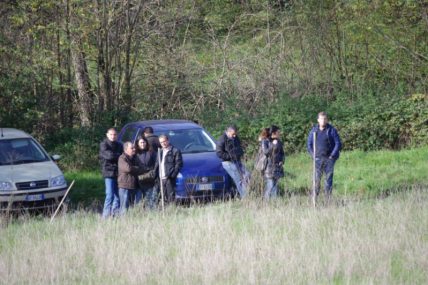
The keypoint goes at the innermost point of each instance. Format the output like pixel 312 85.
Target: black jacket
pixel 148 160
pixel 153 141
pixel 276 157
pixel 229 149
pixel 109 155
pixel 173 162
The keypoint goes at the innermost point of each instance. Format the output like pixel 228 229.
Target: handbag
pixel 261 161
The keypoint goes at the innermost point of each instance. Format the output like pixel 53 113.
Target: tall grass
pixel 238 242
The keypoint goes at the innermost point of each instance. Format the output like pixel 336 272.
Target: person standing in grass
pixel 152 138
pixel 274 151
pixel 147 183
pixel 129 169
pixel 110 150
pixel 170 164
pixel 230 151
pixel 327 151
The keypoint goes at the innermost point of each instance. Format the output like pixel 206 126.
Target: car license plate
pixel 205 186
pixel 35 197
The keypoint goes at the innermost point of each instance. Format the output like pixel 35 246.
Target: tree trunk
pixel 82 81
pixel 68 107
pixel 127 96
pixel 104 66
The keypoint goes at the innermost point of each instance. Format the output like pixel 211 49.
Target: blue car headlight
pixel 58 181
pixel 5 186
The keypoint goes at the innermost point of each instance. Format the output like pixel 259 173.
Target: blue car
pixel 202 175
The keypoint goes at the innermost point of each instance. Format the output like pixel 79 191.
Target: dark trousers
pixel 324 166
pixel 168 190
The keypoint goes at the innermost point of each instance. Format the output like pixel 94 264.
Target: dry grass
pixel 242 242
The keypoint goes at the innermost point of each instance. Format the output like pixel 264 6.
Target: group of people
pixel 270 157
pixel 135 170
pixel 323 145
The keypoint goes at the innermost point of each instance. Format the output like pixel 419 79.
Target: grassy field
pixel 238 242
pixel 367 174
pixel 370 233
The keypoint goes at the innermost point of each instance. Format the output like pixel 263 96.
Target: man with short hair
pixel 152 138
pixel 129 169
pixel 229 150
pixel 170 164
pixel 110 150
pixel 327 151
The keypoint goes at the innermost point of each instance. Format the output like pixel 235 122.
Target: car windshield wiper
pixel 22 161
pixel 198 151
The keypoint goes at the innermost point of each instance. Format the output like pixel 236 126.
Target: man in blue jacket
pixel 327 150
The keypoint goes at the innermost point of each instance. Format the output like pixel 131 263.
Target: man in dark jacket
pixel 152 138
pixel 229 150
pixel 110 150
pixel 327 150
pixel 170 164
pixel 129 169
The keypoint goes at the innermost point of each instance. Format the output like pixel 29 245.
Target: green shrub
pixel 366 123
pixel 77 147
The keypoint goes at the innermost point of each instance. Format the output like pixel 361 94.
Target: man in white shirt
pixel 170 165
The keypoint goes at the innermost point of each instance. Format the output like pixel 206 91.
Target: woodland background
pixel 70 69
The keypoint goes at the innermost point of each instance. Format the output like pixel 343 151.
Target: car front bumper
pixel 36 199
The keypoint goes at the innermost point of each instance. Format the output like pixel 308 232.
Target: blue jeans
pixel 135 197
pixel 111 203
pixel 239 175
pixel 271 188
pixel 324 166
pixel 124 199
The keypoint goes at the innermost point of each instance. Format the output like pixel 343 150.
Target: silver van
pixel 29 177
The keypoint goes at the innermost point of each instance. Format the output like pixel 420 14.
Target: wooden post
pixel 62 201
pixel 314 192
pixel 160 180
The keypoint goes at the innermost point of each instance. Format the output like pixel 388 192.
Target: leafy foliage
pixel 253 63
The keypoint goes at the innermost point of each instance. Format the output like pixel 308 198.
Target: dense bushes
pixel 366 123
pixel 78 147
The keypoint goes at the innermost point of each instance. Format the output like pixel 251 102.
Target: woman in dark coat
pixel 275 162
pixel 147 182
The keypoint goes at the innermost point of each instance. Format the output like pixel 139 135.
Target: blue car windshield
pixel 20 151
pixel 191 140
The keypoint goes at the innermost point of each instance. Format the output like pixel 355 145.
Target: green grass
pixel 357 173
pixel 88 188
pixel 364 173
pixel 239 242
